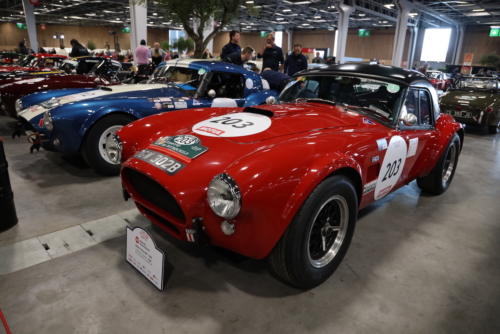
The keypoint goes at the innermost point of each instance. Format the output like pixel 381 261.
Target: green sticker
pixel 392 88
pixel 187 145
pixel 202 71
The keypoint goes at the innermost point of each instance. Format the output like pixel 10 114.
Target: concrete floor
pixel 417 264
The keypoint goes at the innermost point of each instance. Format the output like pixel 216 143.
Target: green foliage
pixel 91 45
pixel 204 13
pixel 429 69
pixel 183 44
pixel 442 69
pixel 490 59
pixel 121 57
pixel 165 45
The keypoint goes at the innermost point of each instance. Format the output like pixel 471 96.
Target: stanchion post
pixel 8 216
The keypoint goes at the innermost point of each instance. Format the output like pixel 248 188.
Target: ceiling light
pixel 249 1
pixel 317 16
pixel 478 10
pixel 118 19
pixel 280 19
pixel 287 10
pixel 155 14
pixel 21 12
pixel 361 14
pixel 389 5
pixel 305 24
pixel 151 22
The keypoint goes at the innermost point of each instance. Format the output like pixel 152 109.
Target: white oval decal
pixel 249 83
pixel 392 166
pixel 233 125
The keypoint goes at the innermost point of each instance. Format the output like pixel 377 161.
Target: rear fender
pixel 259 98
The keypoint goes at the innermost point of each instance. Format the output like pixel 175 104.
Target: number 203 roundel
pixel 233 125
pixel 392 166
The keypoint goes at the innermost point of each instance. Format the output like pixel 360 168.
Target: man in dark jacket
pixel 295 62
pixel 22 48
pixel 276 80
pixel 78 49
pixel 240 58
pixel 272 55
pixel 232 46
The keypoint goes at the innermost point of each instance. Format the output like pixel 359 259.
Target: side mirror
pixel 271 100
pixel 409 119
pixel 97 81
pixel 211 93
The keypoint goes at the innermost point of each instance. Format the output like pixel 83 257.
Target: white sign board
pixel 143 254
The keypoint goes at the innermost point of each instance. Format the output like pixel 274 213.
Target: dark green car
pixel 476 101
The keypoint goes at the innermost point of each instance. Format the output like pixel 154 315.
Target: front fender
pixel 98 114
pixel 274 184
pixel 260 98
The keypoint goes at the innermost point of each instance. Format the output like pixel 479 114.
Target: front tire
pixel 494 129
pixel 94 146
pixel 439 179
pixel 318 237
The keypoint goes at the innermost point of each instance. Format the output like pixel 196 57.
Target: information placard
pixel 144 256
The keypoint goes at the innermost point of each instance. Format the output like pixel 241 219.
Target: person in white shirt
pixel 62 51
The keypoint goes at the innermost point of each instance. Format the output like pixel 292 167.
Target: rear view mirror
pixel 97 81
pixel 271 100
pixel 409 119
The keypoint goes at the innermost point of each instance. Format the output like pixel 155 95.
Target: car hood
pixel 470 99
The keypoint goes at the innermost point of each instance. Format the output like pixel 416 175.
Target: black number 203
pixel 392 169
pixel 231 121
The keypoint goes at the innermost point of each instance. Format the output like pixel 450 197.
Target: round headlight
pixel 114 148
pixel 19 105
pixel 49 104
pixel 224 196
pixel 47 120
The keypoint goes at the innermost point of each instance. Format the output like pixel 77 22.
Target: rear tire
pixel 439 179
pixel 494 129
pixel 318 237
pixel 94 144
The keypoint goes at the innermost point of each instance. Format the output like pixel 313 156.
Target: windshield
pixel 105 68
pixel 187 78
pixel 26 61
pixel 368 96
pixel 476 83
pixel 433 75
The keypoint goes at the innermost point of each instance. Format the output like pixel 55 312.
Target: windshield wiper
pixel 315 99
pixel 378 112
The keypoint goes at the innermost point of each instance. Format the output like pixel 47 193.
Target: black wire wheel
pixel 319 236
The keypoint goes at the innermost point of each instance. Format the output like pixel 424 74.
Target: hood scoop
pixel 259 111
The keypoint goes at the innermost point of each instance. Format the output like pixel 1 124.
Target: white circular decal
pixel 249 83
pixel 233 125
pixel 392 167
pixel 186 140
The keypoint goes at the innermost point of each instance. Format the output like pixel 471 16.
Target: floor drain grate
pixel 90 232
pixel 46 246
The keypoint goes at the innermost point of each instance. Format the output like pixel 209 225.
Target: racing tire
pixel 311 249
pixel 439 179
pixel 95 143
pixel 494 129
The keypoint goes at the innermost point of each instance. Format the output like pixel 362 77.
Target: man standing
pixel 454 73
pixel 240 58
pixel 272 55
pixel 142 54
pixel 295 62
pixel 77 50
pixel 232 46
pixel 318 59
pixel 423 69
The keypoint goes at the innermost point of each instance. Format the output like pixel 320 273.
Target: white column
pixel 29 14
pixel 343 27
pixel 290 40
pixel 138 26
pixel 458 46
pixel 403 7
pixel 412 46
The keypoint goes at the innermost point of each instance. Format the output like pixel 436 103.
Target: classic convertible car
pixel 286 181
pixel 476 101
pixel 102 75
pixel 438 80
pixel 36 63
pixel 81 123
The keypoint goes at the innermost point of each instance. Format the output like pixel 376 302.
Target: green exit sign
pixel 126 30
pixel 21 26
pixel 363 33
pixel 495 32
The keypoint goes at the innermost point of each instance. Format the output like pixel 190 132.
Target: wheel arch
pixel 353 175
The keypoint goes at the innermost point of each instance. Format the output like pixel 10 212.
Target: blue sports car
pixel 82 123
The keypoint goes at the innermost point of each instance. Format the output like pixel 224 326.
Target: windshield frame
pixel 26 61
pixel 392 123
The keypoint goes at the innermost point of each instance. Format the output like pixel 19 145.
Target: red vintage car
pixel 36 62
pixel 286 181
pixel 102 75
pixel 439 80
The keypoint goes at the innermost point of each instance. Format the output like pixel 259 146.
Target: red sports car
pixel 286 180
pixel 36 62
pixel 438 79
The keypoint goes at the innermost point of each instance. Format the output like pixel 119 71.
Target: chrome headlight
pixel 224 196
pixel 49 104
pixel 19 105
pixel 47 121
pixel 114 148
